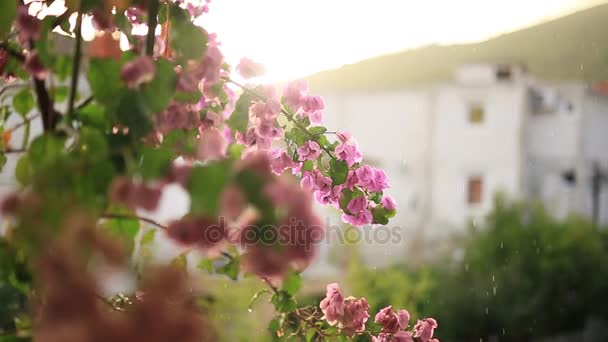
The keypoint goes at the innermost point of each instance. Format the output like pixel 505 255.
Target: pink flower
pixel 349 153
pixel 388 319
pixel 403 336
pixel 203 232
pixel 404 319
pixel 356 314
pixel 313 103
pixel 27 26
pixel 362 218
pixel 294 93
pixel 371 178
pixel 232 202
pixel 211 145
pixel 124 191
pixel 281 162
pixel 388 203
pixel 345 137
pixel 248 68
pixel 176 116
pixel 320 182
pixel 316 117
pixel 333 304
pixel 102 20
pixel 356 205
pixel 425 328
pixel 310 150
pixel 34 66
pixel 138 71
pixel 209 69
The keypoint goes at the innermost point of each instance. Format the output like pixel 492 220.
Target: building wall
pixel 392 129
pixel 490 149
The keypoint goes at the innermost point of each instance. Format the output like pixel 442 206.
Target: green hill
pixel 574 47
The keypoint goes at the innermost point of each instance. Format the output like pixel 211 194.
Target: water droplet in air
pixel 250 310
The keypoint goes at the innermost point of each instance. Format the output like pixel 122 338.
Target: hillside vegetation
pixel 574 47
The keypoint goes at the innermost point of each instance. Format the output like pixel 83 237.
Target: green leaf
pixel 317 130
pixel 206 264
pixel 382 215
pixel 133 113
pixel 188 40
pixel 308 165
pixel 94 115
pixel 184 142
pixel 63 66
pixel 158 92
pixel 92 142
pixel 155 162
pixel 310 334
pixel 292 282
pixel 8 10
pixel 205 187
pixel 23 101
pixel 366 337
pixel 239 120
pixel 45 150
pixel 231 269
pixel 61 93
pixel 180 262
pixel 339 171
pixel 275 325
pixel 3 160
pixel 148 237
pixel 283 302
pixel 104 79
pixel 123 230
pixel 376 197
pixel 23 170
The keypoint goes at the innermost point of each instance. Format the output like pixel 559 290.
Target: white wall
pixel 491 149
pixel 392 129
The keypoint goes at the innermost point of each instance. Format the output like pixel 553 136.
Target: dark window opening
pixel 503 73
pixel 474 190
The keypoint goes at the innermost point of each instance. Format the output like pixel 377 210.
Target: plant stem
pixel 75 65
pixel 133 217
pixel 24 122
pixel 152 22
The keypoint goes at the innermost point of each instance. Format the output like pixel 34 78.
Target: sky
pixel 294 38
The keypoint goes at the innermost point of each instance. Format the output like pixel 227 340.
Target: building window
pixel 503 73
pixel 476 114
pixel 474 190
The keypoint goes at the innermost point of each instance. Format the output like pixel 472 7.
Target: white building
pixel 450 147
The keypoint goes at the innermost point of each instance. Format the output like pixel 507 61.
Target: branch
pixel 13 85
pixel 14 150
pixel 133 217
pixel 24 122
pixel 75 65
pixel 152 23
pixel 85 103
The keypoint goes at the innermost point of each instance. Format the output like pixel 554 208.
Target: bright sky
pixel 294 38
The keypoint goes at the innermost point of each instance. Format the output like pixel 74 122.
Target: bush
pixel 523 275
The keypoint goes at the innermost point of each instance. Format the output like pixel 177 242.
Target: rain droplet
pixel 250 310
pixel 486 310
pixel 494 290
pixel 501 245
